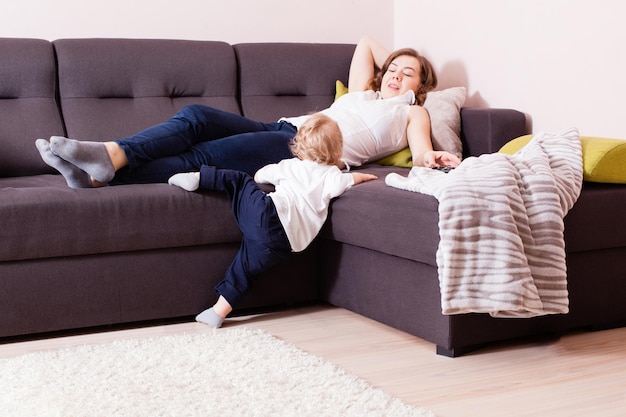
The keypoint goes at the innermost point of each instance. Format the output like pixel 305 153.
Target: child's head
pixel 318 139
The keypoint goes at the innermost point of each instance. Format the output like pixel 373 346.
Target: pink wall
pixel 562 62
pixel 231 21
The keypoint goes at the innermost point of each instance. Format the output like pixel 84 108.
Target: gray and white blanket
pixel 502 249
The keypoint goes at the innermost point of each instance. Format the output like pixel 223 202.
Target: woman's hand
pixel 440 159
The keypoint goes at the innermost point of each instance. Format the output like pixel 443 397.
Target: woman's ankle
pixel 117 155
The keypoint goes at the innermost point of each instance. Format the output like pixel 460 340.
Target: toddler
pixel 280 222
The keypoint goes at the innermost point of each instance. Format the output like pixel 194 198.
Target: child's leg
pixel 249 264
pixel 264 243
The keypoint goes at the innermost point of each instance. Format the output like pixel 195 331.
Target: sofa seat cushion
pixel 375 216
pixel 48 219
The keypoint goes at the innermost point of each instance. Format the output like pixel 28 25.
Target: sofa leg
pixel 456 352
pixel 606 326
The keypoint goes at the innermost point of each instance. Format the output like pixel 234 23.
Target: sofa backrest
pixel 28 109
pixel 112 88
pixel 103 89
pixel 289 79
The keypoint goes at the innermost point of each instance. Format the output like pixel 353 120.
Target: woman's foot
pixel 91 157
pixel 74 176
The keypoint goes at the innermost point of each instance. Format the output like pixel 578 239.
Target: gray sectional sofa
pixel 80 259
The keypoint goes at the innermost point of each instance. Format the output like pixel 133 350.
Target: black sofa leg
pixel 456 352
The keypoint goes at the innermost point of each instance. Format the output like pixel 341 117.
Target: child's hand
pixel 360 177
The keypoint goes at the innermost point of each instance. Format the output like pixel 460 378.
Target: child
pixel 283 221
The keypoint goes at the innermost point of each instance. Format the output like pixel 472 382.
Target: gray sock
pixel 74 176
pixel 91 157
pixel 210 317
pixel 189 181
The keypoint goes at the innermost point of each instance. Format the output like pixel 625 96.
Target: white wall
pixel 234 21
pixel 562 62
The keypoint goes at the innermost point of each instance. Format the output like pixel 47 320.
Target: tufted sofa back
pixel 289 79
pixel 102 89
pixel 28 108
pixel 112 88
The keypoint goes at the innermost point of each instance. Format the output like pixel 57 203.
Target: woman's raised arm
pixel 368 57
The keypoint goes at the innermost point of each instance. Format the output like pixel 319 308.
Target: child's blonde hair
pixel 318 139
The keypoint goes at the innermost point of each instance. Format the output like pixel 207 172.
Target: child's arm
pixel 360 177
pixel 265 175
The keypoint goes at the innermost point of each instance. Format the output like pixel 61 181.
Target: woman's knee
pixel 193 112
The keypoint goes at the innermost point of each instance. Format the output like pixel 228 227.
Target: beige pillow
pixel 444 108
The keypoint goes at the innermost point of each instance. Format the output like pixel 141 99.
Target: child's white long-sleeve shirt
pixel 303 190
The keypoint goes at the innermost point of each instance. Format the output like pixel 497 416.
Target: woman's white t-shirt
pixel 372 127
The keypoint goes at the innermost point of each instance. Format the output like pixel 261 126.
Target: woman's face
pixel 402 75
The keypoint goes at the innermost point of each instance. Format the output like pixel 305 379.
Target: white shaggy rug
pixel 238 372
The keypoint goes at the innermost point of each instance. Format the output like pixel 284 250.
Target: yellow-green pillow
pixel 340 89
pixel 402 159
pixel 604 159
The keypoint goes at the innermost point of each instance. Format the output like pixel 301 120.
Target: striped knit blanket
pixel 501 248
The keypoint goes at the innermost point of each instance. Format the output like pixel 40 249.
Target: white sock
pixel 211 318
pixel 189 181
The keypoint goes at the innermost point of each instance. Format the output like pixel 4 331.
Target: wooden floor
pixel 581 374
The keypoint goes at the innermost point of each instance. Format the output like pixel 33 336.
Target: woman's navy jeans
pixel 200 135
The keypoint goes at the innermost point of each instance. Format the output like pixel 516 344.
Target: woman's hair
pixel 427 74
pixel 318 139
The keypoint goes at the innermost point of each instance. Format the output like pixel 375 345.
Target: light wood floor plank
pixel 580 374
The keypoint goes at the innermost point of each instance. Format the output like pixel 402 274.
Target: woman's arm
pixel 418 135
pixel 369 56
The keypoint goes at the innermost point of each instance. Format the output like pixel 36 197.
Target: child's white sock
pixel 189 181
pixel 211 318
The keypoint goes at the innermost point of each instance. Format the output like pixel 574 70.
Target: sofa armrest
pixel 486 130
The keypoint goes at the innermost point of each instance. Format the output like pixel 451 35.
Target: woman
pixel 376 118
